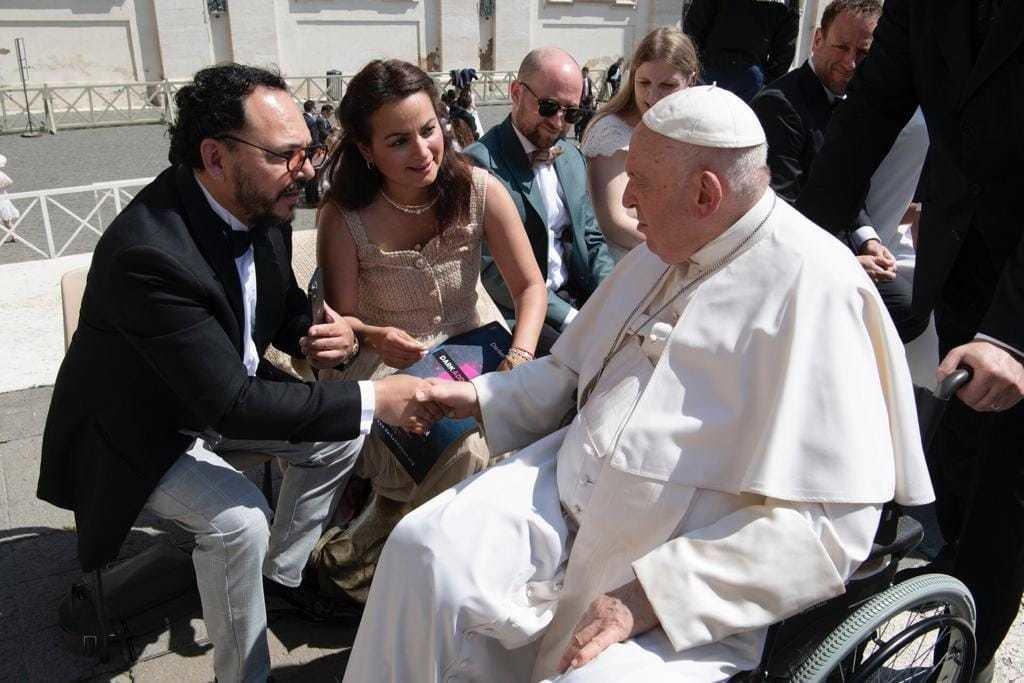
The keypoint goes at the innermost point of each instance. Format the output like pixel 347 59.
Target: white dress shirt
pixel 246 267
pixel 556 220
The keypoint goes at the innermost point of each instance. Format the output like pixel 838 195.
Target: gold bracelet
pixel 523 355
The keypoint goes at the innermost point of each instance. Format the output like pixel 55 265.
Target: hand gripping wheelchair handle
pixel 952 382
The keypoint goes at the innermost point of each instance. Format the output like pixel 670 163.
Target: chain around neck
pixel 412 209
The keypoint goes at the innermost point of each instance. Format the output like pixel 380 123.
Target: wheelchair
pixel 919 630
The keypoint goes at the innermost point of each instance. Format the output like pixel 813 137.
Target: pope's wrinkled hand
pixel 397 403
pixel 998 381
pixel 330 343
pixel 457 399
pixel 611 618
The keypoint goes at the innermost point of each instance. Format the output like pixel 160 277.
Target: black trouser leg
pixel 980 491
pixel 897 295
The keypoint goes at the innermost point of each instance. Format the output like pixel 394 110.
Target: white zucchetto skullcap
pixel 706 116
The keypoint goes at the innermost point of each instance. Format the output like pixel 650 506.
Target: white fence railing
pixel 66 220
pixel 57 107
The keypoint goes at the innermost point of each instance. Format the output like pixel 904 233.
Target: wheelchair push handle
pixel 953 382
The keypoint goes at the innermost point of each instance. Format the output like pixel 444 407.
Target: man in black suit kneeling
pixel 163 383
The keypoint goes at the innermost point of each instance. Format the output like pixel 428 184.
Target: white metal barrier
pixel 89 105
pixel 53 220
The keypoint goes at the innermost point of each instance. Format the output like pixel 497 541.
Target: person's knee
pixel 244 528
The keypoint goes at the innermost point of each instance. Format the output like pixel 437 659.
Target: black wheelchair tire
pixel 860 626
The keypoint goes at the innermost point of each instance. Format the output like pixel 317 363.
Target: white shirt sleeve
pixel 368 403
pixel 754 567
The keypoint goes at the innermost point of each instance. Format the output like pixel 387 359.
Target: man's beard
pixel 258 205
pixel 541 138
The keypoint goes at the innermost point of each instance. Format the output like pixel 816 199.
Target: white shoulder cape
pixel 784 376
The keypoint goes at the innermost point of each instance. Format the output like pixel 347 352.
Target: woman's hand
pixel 395 346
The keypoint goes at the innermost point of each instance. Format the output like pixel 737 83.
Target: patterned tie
pixel 545 156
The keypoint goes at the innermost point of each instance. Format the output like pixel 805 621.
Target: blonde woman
pixel 664 62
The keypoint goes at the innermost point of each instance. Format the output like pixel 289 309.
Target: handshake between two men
pixel 410 403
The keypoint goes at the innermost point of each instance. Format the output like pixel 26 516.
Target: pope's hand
pixel 877 261
pixel 457 399
pixel 998 381
pixel 329 343
pixel 397 404
pixel 610 619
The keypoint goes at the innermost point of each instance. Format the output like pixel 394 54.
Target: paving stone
pixel 10 617
pixel 38 599
pixel 12 662
pixel 19 462
pixel 39 516
pixel 35 556
pixel 47 660
pixel 23 414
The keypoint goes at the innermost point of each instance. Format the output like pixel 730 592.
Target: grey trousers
pixel 235 542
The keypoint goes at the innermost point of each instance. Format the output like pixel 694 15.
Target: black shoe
pixel 309 604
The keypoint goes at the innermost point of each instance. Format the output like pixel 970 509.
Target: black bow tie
pixel 241 241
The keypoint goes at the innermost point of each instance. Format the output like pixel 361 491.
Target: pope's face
pixel 664 188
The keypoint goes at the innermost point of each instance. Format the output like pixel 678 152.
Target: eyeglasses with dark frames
pixel 316 154
pixel 548 107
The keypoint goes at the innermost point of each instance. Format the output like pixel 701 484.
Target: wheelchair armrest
pixel 908 533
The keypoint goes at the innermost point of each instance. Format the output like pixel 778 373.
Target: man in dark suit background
pixel 962 61
pixel 795 111
pixel 163 384
pixel 547 179
pixel 742 44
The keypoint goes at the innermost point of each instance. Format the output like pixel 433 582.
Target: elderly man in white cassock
pixel 740 411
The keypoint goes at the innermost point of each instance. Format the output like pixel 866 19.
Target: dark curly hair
pixel 212 104
pixel 354 185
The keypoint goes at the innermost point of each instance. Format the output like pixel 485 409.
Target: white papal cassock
pixel 733 455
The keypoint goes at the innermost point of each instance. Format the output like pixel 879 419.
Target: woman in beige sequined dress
pixel 399 244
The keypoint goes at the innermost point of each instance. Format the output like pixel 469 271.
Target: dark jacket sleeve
pixel 881 100
pixel 787 139
pixel 698 20
pixel 163 317
pixel 783 46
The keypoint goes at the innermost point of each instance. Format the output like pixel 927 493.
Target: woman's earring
pixel 369 165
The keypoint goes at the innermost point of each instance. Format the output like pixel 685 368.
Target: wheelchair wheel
pixel 918 630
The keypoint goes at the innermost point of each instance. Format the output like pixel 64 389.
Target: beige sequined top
pixel 432 293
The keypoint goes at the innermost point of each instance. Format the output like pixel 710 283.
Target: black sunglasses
pixel 548 107
pixel 317 154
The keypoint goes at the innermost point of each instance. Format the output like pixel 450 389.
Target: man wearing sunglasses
pixel 163 387
pixel 547 179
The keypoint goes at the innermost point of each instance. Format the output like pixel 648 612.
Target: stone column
pixel 254 35
pixel 460 34
pixel 513 39
pixel 183 30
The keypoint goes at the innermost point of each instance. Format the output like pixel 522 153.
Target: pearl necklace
pixel 414 209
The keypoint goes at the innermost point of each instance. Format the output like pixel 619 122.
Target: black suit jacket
pixel 972 179
pixel 754 31
pixel 501 153
pixel 158 350
pixel 794 111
